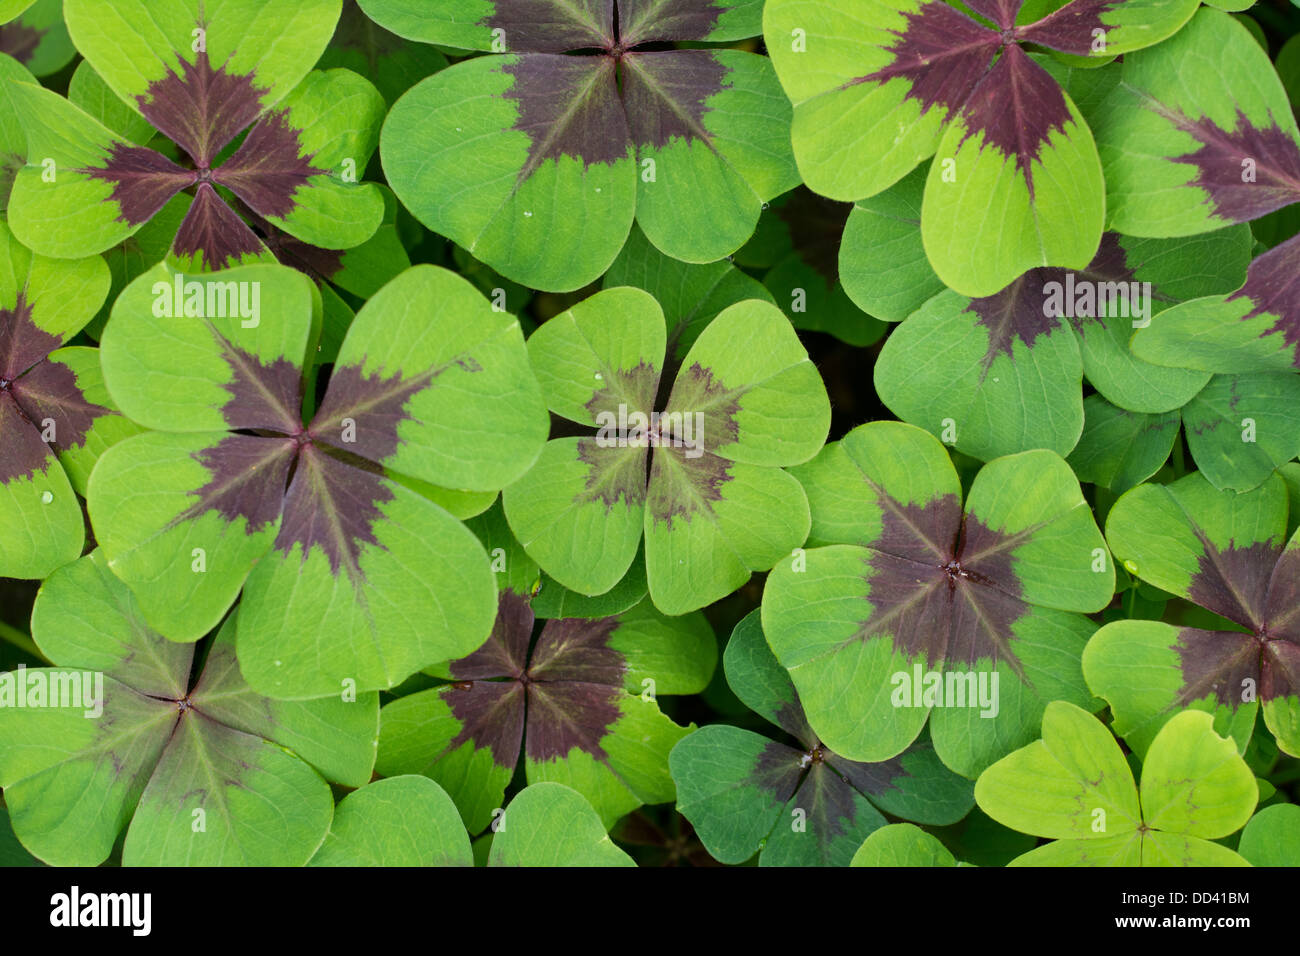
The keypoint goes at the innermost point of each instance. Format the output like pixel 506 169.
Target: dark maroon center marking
pixel 212 233
pixel 1215 664
pixel 1233 582
pixel 324 480
pixel 1021 312
pixel 24 452
pixel 1258 587
pixel 1001 12
pixel 23 343
pixel 1282 602
pixel 944 586
pixel 951 61
pixel 866 778
pixel 668 466
pixel 941 53
pixel 262 395
pixel 1071 29
pixel 703 477
pixel 20 41
pixel 332 505
pixel 1017 106
pixel 41 405
pixel 268 169
pixel 566 692
pixel 824 782
pixel 246 479
pixel 143 180
pixel 621 90
pixel 376 406
pixel 203 109
pixel 51 399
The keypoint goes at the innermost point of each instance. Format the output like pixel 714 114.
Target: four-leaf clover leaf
pixel 349 572
pixel 1075 787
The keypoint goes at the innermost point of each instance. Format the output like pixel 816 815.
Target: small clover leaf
pixel 202 82
pixel 796 804
pixel 695 470
pixel 579 702
pixel 1074 787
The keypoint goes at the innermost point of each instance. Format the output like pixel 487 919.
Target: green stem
pixel 22 641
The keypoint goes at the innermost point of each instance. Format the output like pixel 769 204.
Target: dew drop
pixel 528 215
pixel 597 189
pixel 46 497
pixel 1132 568
pixel 767 206
pixel 599 377
pixel 997 380
pixel 458 129
pixel 277 664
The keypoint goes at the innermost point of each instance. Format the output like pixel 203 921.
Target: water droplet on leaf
pixel 46 497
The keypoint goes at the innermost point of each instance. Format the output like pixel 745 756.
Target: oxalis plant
pixel 649 432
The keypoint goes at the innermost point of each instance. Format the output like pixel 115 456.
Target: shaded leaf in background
pixel 38 38
pixel 804 274
pixel 691 295
pixel 800 804
pixel 1000 374
pixel 1272 837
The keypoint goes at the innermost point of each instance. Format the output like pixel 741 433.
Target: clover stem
pixel 22 641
